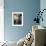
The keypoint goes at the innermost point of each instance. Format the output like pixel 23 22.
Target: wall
pixel 29 8
pixel 43 6
pixel 1 20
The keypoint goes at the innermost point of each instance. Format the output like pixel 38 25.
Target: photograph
pixel 17 18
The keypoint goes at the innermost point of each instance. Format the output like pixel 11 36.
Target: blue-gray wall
pixel 29 8
pixel 43 6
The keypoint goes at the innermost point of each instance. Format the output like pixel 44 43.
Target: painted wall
pixel 43 6
pixel 1 20
pixel 29 8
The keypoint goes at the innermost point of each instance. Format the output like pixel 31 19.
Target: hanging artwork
pixel 17 18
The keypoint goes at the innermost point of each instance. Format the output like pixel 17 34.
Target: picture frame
pixel 17 18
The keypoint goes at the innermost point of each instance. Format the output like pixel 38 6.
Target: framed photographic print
pixel 17 18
